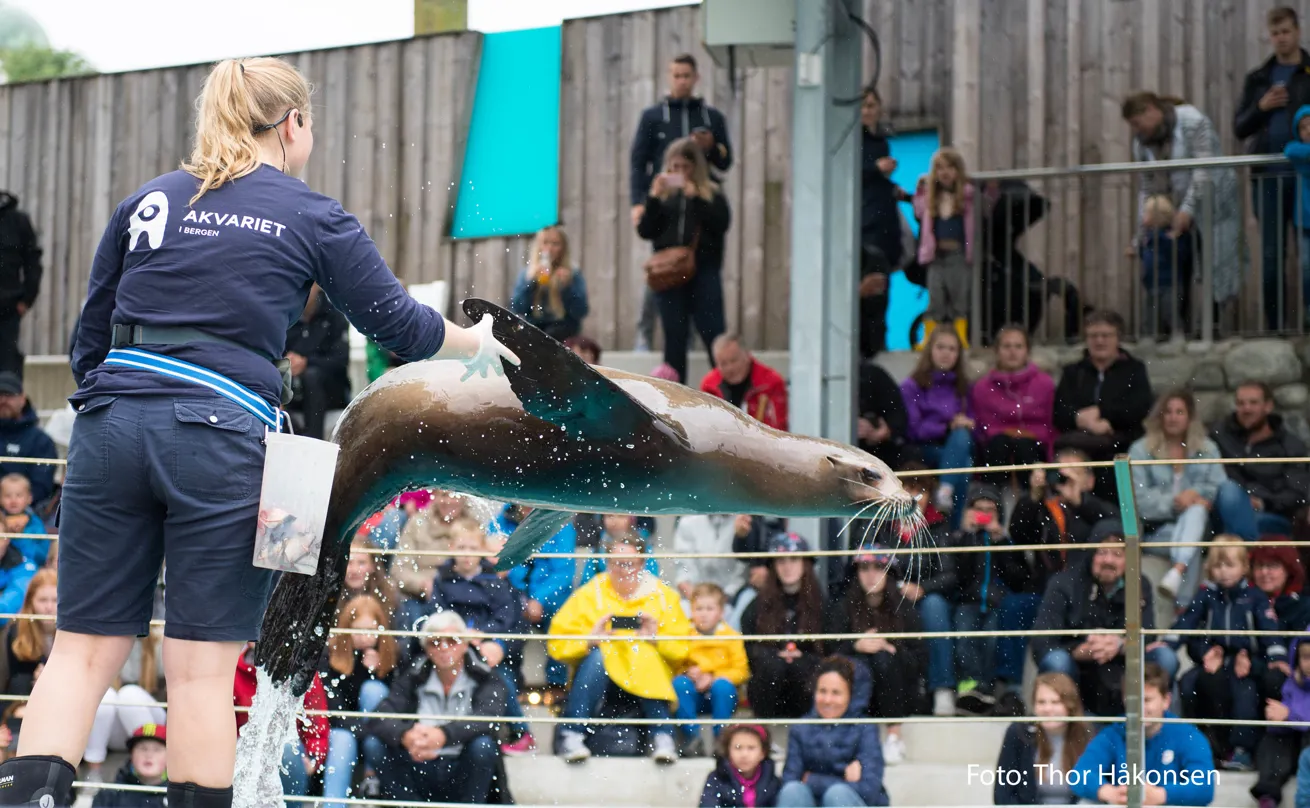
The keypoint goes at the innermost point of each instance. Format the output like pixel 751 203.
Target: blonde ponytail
pixel 238 96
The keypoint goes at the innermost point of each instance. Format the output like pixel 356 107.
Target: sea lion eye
pixel 870 476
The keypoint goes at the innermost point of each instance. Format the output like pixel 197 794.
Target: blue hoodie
pixel 1299 153
pixel 1177 757
pixel 549 581
pixel 23 437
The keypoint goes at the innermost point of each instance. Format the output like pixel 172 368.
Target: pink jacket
pixel 1023 400
pixel 928 241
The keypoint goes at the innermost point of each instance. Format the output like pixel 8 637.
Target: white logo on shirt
pixel 149 219
pixel 13 448
pixel 1167 757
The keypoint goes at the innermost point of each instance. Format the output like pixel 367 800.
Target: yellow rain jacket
pixel 643 667
pixel 723 658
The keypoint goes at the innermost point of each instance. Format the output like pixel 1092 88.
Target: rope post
pixel 1133 654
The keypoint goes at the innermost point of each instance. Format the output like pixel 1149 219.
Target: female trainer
pixel 195 282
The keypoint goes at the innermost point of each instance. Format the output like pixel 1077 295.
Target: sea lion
pixel 563 436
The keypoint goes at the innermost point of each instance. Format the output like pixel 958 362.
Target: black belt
pixel 125 335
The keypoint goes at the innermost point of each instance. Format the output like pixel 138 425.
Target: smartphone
pixel 632 623
pixel 982 519
pixel 673 180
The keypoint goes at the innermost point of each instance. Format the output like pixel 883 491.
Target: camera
pixel 1055 477
pixel 632 623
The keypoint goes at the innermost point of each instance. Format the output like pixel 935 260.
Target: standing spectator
pixel 744 776
pixel 679 115
pixel 880 226
pixel 21 436
pixel 686 208
pixel 1277 491
pixel 710 534
pixel 318 345
pixel 1175 500
pixel 1014 403
pixel 1044 752
pixel 943 203
pixel 883 425
pixel 1205 199
pixel 714 668
pixel 551 292
pixel 1103 398
pixel 1271 95
pixel 1167 270
pixel 1275 756
pixel 743 381
pixel 941 424
pixel 20 278
pixel 1298 152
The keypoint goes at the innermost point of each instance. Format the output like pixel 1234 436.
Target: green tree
pixel 33 63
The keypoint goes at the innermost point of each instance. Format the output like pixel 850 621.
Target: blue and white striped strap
pixel 177 369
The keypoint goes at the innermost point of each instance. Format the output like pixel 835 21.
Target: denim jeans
pixel 295 780
pixel 720 702
pixel 464 778
pixel 1190 526
pixel 1061 661
pixel 975 655
pixel 935 614
pixel 589 684
pixel 344 745
pixel 1017 612
pixel 1234 513
pixel 953 453
pixel 512 707
pixel 799 795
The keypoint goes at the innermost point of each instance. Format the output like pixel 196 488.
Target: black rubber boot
pixel 39 781
pixel 190 795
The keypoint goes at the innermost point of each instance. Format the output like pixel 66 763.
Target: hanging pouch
pixel 293 503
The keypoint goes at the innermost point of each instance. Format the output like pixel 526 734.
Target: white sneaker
pixel 893 750
pixel 573 747
pixel 943 702
pixel 1171 583
pixel 945 498
pixel 665 752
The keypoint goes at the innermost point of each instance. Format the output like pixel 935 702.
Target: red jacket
pixel 313 729
pixel 766 398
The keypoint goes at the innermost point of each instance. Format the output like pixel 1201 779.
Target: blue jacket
pixel 1154 485
pixel 549 581
pixel 1178 753
pixel 574 298
pixel 23 437
pixel 16 573
pixel 825 750
pixel 34 550
pixel 1299 154
pixel 486 602
pixel 1161 255
pixel 664 123
pixel 722 789
pixel 1242 608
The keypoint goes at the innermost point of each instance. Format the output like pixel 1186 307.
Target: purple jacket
pixel 1023 400
pixel 930 411
pixel 1296 697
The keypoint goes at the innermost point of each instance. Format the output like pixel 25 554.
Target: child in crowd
pixel 16 500
pixel 714 668
pixel 1298 152
pixel 1229 667
pixel 745 776
pixel 147 766
pixel 1166 269
pixel 943 203
pixel 941 424
pixel 1275 756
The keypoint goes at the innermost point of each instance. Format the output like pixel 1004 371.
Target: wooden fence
pixel 1013 83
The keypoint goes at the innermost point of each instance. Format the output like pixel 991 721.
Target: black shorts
pixel 154 479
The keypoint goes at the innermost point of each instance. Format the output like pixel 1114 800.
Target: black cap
pixel 10 384
pixel 977 492
pixel 1106 530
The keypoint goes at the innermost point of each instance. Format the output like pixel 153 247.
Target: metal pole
pixel 1133 654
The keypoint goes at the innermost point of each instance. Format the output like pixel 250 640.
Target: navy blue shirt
pixel 238 264
pixel 1280 120
pixel 949 233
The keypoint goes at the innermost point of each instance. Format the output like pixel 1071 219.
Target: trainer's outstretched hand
pixel 489 352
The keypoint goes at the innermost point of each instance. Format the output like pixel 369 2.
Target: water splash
pixel 272 724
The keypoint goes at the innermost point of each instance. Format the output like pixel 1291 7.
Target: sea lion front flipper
pixel 531 533
pixel 556 385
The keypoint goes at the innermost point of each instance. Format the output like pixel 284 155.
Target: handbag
pixel 672 267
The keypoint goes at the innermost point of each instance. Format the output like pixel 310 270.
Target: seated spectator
pixel 1167 263
pixel 551 292
pixel 128 704
pixel 441 760
pixel 790 602
pixel 833 764
pixel 1044 752
pixel 759 539
pixel 21 436
pixel 16 576
pixel 28 642
pixel 543 583
pixel 363 577
pixel 1060 511
pixel 1177 755
pixel 427 531
pixel 1103 398
pixel 614 525
pixel 1224 683
pixel 146 766
pixel 713 670
pixel 356 673
pixel 16 501
pixel 585 347
pixel 631 605
pixel 871 605
pixel 936 398
pixel 303 758
pixel 469 586
pixel 744 775
pixel 1090 598
pixel 745 382
pixel 882 426
pixel 1013 403
pixel 1276 491
pixel 1277 572
pixel 1276 752
pixel 318 345
pixel 1175 501
pixel 710 534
